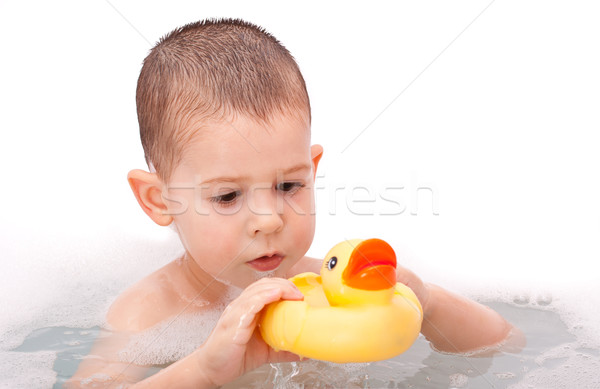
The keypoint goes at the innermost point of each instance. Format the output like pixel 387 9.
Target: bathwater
pixel 553 357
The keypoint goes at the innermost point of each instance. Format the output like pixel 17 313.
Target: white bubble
pixel 96 378
pixel 458 380
pixel 521 299
pixel 264 274
pixel 544 299
pixel 505 375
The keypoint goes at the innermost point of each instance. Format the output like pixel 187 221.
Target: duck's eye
pixel 331 263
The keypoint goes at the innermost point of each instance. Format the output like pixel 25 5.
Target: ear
pixel 147 189
pixel 316 152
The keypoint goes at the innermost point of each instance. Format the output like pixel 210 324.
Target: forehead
pixel 246 147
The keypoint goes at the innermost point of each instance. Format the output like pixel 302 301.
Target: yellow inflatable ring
pixel 353 312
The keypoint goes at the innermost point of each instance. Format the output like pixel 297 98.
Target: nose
pixel 266 224
pixel 264 215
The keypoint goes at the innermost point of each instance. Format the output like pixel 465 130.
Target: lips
pixel 266 262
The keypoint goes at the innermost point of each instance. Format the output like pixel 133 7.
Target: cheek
pixel 216 232
pixel 301 203
pixel 301 219
pixel 209 235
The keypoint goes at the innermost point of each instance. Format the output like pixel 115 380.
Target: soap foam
pixel 174 338
pixel 171 339
pixel 27 370
pixel 71 280
pixel 564 367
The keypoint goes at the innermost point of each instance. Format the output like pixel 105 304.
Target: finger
pixel 291 292
pixel 274 289
pixel 243 312
pixel 241 315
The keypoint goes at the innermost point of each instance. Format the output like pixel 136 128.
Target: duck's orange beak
pixel 372 266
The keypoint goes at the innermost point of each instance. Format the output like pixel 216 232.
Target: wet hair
pixel 212 70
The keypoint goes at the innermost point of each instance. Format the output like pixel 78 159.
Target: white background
pixel 496 111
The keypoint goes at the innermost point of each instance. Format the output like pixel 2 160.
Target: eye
pixel 227 198
pixel 331 263
pixel 289 186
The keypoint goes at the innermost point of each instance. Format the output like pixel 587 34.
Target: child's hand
pixel 234 347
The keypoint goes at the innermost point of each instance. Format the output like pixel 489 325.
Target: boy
pixel 225 124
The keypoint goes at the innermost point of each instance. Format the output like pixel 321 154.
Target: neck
pixel 209 288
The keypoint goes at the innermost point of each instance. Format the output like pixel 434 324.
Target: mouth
pixel 266 262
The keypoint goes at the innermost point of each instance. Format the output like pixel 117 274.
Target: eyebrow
pixel 293 169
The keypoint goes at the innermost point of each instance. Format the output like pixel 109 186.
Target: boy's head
pixel 212 70
pixel 225 123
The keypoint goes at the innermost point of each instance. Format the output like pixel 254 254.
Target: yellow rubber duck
pixel 353 312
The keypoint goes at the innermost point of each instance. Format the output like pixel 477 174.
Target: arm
pixel 453 323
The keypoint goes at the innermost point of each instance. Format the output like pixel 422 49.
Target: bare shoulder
pixel 145 303
pixel 306 264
